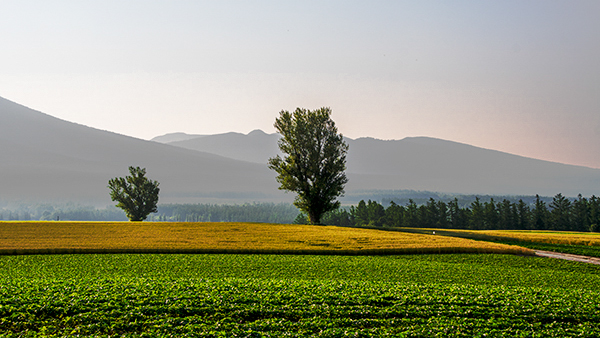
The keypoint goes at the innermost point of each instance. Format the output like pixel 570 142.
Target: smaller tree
pixel 135 194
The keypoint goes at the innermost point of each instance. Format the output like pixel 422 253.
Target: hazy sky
pixel 517 76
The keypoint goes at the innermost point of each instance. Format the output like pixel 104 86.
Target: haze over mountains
pixel 45 159
pixel 419 163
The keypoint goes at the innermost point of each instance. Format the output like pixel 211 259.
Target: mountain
pixel 257 146
pixel 174 137
pixel 423 163
pixel 43 159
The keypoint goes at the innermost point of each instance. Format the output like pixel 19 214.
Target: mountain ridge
pixel 423 163
pixel 52 158
pixel 48 159
pixel 165 140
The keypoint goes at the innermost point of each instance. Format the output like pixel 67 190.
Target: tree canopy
pixel 314 162
pixel 135 194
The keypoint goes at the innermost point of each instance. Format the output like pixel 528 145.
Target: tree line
pixel 249 212
pixel 540 213
pixel 562 213
pixel 66 212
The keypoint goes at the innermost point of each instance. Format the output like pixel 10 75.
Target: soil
pixel 569 257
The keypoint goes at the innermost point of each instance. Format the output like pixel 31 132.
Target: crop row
pixel 484 270
pixel 285 295
pixel 255 307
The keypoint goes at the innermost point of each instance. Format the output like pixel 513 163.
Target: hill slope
pixel 257 146
pixel 48 159
pixel 423 163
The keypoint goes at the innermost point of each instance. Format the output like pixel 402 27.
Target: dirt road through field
pixel 569 257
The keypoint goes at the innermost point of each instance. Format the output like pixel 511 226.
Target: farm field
pixel 337 290
pixel 577 243
pixel 151 237
pixel 583 250
pixel 451 295
pixel 548 237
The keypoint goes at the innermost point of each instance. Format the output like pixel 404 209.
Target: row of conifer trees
pixel 562 213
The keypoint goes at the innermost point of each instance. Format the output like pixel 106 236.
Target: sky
pixel 519 76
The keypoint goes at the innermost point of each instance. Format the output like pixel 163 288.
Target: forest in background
pixel 395 209
pixel 250 212
pixel 561 213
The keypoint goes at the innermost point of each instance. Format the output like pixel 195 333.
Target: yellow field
pixel 551 237
pixel 98 237
pixel 538 236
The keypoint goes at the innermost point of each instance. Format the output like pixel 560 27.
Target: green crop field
pixel 337 291
pixel 450 295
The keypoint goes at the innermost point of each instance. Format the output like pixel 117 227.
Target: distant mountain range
pixel 255 147
pixel 45 159
pixel 419 163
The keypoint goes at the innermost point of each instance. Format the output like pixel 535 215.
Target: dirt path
pixel 569 257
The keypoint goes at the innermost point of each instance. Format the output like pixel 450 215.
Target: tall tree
pixel 394 215
pixel 507 215
pixel 430 214
pixel 560 213
pixel 360 213
pixel 457 215
pixel 314 162
pixel 581 214
pixel 376 213
pixel 135 194
pixel 477 215
pixel 539 214
pixel 442 221
pixel 523 216
pixel 411 215
pixel 490 215
pixel 594 214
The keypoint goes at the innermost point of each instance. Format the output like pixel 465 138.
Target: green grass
pixel 283 295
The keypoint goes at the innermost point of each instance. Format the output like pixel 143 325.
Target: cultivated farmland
pixel 549 237
pixel 281 295
pixel 120 237
pixel 335 291
pixel 538 236
pixel 577 243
